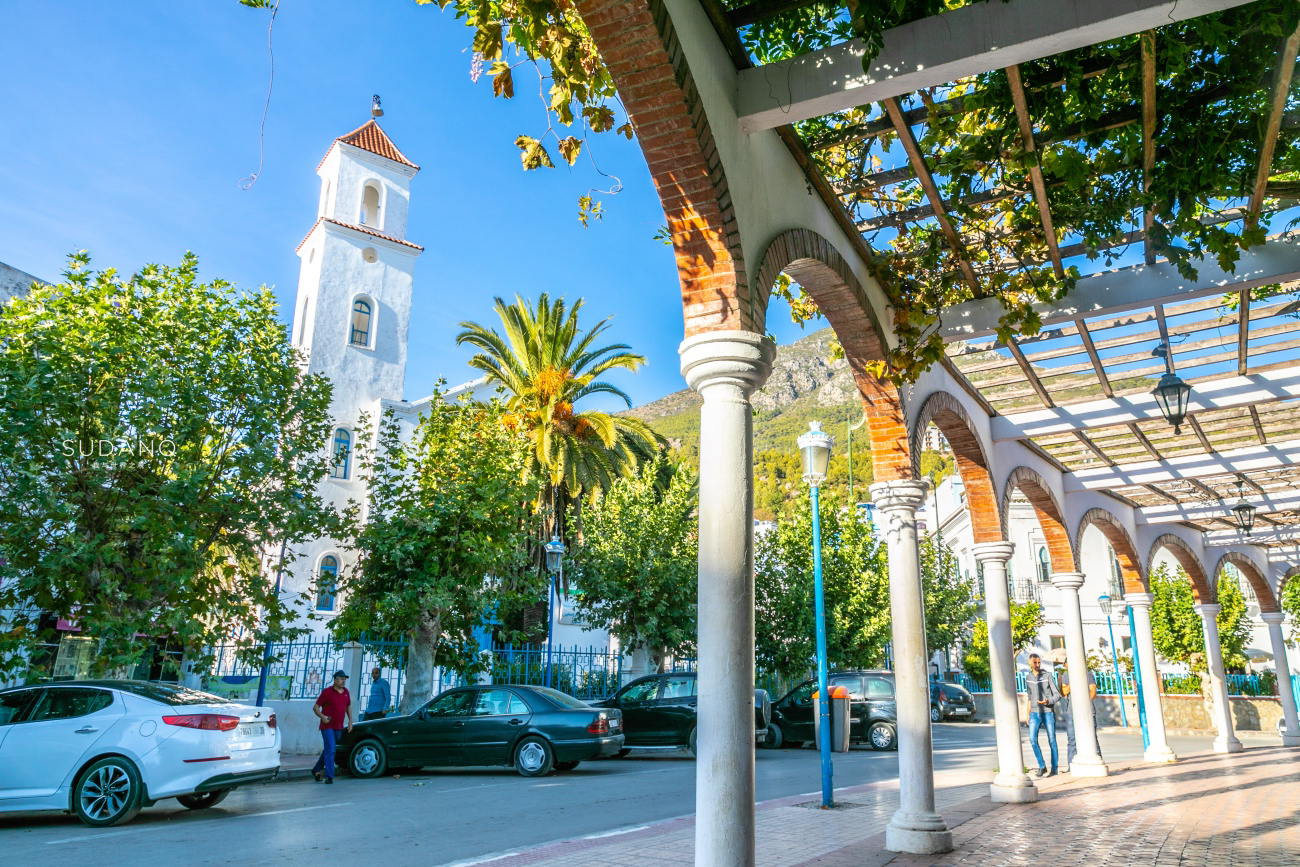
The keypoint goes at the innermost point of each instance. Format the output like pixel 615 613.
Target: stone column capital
pixel 1207 609
pixel 993 551
pixel 1067 580
pixel 1272 618
pixel 741 359
pixel 1139 600
pixel 902 494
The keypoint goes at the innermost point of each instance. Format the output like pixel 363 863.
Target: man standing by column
pixel 1043 697
pixel 1064 707
pixel 331 707
pixel 381 696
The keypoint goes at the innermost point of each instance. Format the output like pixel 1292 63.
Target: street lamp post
pixel 815 450
pixel 1104 601
pixel 554 569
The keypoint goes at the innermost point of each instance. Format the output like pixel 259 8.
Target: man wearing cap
pixel 332 705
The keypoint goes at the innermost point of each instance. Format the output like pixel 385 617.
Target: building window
pixel 327 583
pixel 361 315
pixel 342 454
pixel 1058 642
pixel 302 322
pixel 1126 643
pixel 370 205
pixel 1044 566
pixel 325 199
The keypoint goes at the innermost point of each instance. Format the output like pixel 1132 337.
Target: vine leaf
pixel 599 117
pixel 625 130
pixel 569 149
pixel 532 154
pixel 503 82
pixel 487 40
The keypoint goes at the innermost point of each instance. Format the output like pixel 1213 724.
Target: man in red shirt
pixel 333 704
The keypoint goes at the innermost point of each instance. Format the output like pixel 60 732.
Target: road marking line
pixel 187 824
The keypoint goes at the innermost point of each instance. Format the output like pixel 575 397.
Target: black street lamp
pixel 1171 393
pixel 555 569
pixel 1244 511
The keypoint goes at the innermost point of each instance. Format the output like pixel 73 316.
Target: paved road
pixel 437 817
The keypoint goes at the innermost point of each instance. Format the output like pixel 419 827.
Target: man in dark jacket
pixel 1043 697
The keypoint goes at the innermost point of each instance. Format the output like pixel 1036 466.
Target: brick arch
pixel 1286 576
pixel 1263 593
pixel 947 414
pixel 1130 565
pixel 1040 496
pixel 814 263
pixel 640 48
pixel 1202 588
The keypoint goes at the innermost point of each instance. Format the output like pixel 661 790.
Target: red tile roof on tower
pixel 369 137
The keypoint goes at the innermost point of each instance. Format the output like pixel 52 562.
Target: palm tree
pixel 546 364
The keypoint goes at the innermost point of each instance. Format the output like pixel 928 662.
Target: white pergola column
pixel 916 827
pixel 1144 651
pixel 1227 741
pixel 725 367
pixel 1011 785
pixel 1274 621
pixel 1086 761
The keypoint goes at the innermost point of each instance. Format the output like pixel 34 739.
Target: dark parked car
pixel 873 711
pixel 951 700
pixel 659 711
pixel 534 728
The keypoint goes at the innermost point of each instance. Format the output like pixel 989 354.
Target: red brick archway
pixel 1130 565
pixel 1263 593
pixel 814 263
pixel 1202 588
pixel 637 41
pixel 947 414
pixel 1050 516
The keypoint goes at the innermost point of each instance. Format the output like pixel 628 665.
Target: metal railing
pixel 590 673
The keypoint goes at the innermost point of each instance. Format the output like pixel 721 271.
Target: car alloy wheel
pixel 691 742
pixel 368 759
pixel 108 793
pixel 534 758
pixel 936 715
pixel 881 736
pixel 775 738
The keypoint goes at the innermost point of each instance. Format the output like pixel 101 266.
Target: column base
pixel 1291 740
pixel 1159 755
pixel 1227 745
pixel 1013 789
pixel 1088 767
pixel 918 841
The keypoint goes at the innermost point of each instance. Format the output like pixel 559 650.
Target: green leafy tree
pixel 1027 619
pixel 444 539
pixel 856 586
pixel 161 438
pixel 1177 630
pixel 637 564
pixel 1290 602
pixel 949 596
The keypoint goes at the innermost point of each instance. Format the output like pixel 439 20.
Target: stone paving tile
pixel 1208 810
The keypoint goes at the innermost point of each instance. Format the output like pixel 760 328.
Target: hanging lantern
pixel 1244 512
pixel 815 450
pixel 554 554
pixel 1171 394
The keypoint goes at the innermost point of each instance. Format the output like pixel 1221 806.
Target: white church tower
pixel 351 318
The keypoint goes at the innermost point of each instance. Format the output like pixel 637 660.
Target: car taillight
pixel 213 722
pixel 270 721
pixel 599 727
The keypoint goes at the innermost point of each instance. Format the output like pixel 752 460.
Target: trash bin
pixel 839 719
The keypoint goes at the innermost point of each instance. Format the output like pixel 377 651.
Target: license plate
pixel 961 710
pixel 252 730
pixel 616 724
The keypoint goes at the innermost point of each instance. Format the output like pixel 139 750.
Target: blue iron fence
pixel 1171 683
pixel 299 669
pixel 590 673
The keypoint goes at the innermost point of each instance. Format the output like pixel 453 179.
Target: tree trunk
pixel 421 662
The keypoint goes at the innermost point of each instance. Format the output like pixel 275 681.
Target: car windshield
pixel 170 693
pixel 558 698
pixel 953 691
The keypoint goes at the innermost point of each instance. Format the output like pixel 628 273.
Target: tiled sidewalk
pixel 1207 809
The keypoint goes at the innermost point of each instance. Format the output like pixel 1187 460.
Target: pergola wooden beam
pixel 1281 87
pixel 1148 135
pixel 917 159
pixel 1259 426
pixel 1239 462
pixel 1243 328
pixel 1035 171
pixel 939 49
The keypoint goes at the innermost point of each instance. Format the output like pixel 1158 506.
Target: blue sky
pixel 128 126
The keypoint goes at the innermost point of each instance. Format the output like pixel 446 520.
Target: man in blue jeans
pixel 1043 696
pixel 332 706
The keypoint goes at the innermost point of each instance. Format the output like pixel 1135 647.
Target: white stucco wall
pixel 14 282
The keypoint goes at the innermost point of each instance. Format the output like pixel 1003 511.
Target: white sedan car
pixel 104 749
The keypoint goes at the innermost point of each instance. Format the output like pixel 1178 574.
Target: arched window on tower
pixel 327 580
pixel 324 199
pixel 1044 566
pixel 370 205
pixel 342 466
pixel 362 314
pixel 302 322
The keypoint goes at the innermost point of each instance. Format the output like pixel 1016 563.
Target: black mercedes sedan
pixel 533 728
